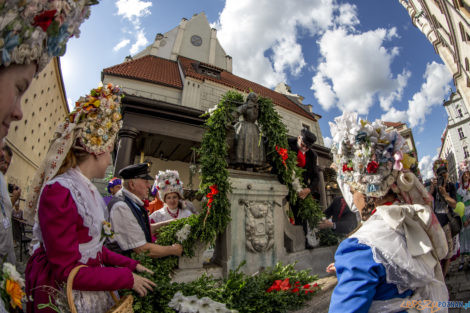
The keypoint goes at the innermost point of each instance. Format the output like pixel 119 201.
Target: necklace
pixel 173 214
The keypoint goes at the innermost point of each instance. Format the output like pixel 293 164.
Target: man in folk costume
pixel 306 159
pixel 133 231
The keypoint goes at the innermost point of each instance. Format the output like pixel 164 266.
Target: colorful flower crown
pixel 168 182
pixel 37 30
pixel 99 116
pixel 366 156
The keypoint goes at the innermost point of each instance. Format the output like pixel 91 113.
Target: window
pixel 461 135
pixel 460 112
pixel 465 152
pixel 305 126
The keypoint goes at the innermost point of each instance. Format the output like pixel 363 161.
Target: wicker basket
pixel 123 305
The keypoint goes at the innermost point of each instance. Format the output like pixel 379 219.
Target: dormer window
pixel 207 70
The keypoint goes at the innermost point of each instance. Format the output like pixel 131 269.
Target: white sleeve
pixel 127 231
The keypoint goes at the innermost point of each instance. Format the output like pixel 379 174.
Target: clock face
pixel 196 40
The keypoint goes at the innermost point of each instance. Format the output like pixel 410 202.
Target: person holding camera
pixel 445 200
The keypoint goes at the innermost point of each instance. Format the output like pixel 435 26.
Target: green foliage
pixel 327 237
pixel 247 293
pixel 276 136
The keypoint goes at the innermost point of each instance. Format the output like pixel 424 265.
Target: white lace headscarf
pixel 93 123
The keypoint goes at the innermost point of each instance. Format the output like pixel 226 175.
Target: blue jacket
pixel 360 279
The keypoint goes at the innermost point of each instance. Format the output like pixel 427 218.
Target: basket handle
pixel 70 279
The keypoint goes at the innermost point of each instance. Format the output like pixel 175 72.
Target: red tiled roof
pixel 244 85
pixel 165 72
pixel 150 69
pixel 393 124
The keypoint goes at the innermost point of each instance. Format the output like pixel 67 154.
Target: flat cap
pixel 139 170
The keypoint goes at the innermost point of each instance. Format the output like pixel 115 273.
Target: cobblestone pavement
pixel 458 284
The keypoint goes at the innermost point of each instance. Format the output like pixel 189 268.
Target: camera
pixel 440 181
pixel 12 187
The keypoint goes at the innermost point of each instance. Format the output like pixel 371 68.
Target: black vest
pixel 140 214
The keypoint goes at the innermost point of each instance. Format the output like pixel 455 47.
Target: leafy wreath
pixel 206 226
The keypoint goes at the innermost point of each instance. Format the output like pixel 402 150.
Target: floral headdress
pixel 168 182
pixel 92 126
pixel 372 161
pixel 37 30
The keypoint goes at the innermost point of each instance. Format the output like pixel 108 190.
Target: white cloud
pixel 327 141
pixel 394 115
pixel 133 10
pixel 356 68
pixel 263 36
pixel 121 45
pixel 425 166
pixel 433 91
pixel 140 42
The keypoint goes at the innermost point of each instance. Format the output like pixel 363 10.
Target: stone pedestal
pixel 256 231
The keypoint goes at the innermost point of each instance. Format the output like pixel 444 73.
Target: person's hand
pixel 177 249
pixel 142 285
pixel 304 193
pixel 331 269
pixel 443 192
pixel 142 269
pixel 325 224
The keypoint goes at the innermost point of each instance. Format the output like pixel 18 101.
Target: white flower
pixel 183 233
pixel 9 271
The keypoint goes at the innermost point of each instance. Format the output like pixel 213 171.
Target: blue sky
pixel 363 56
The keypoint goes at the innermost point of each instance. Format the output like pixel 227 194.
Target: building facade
pixel 446 24
pixel 44 107
pixel 169 84
pixel 456 138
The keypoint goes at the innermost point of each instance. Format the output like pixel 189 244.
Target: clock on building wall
pixel 196 40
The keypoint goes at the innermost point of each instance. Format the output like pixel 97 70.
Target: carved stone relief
pixel 259 225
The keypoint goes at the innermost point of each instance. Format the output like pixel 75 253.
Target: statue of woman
pixel 249 151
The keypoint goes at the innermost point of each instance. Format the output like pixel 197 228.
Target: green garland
pixel 206 226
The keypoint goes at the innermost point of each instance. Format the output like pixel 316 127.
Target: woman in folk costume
pixel 31 33
pixel 70 215
pixel 170 191
pixel 394 255
pixel 463 196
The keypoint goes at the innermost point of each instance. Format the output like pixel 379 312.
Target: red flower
pixel 44 19
pixel 167 182
pixel 291 220
pixel 295 289
pixel 372 167
pixel 346 168
pixel 283 153
pixel 279 285
pixel 306 286
pixel 178 181
pixel 211 194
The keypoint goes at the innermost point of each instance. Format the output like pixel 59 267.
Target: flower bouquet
pixel 12 288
